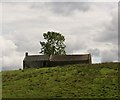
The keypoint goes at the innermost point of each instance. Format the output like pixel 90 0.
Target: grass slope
pixel 71 81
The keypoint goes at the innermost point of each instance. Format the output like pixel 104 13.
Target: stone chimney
pixel 26 54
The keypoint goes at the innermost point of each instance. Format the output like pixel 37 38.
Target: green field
pixel 71 81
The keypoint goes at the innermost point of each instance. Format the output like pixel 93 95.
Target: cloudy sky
pixel 88 27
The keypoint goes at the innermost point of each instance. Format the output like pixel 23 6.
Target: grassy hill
pixel 71 81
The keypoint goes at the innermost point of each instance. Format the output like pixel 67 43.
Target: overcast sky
pixel 88 27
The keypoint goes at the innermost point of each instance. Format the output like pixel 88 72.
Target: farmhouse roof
pixel 70 57
pixel 36 58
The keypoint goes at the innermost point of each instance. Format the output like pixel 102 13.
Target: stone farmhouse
pixel 39 61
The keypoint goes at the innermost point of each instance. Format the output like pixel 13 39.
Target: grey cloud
pixel 109 55
pixel 109 37
pixel 110 33
pixel 12 62
pixel 63 8
pixel 25 1
pixel 74 46
pixel 67 8
pixel 94 52
pixel 25 42
pixel 10 58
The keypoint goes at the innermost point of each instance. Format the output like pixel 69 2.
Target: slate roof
pixel 36 58
pixel 70 57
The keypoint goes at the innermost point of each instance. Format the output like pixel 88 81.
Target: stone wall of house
pixel 40 64
pixel 62 63
pixel 33 64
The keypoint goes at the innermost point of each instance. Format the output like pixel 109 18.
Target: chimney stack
pixel 26 54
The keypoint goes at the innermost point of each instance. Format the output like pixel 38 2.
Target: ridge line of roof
pixel 62 55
